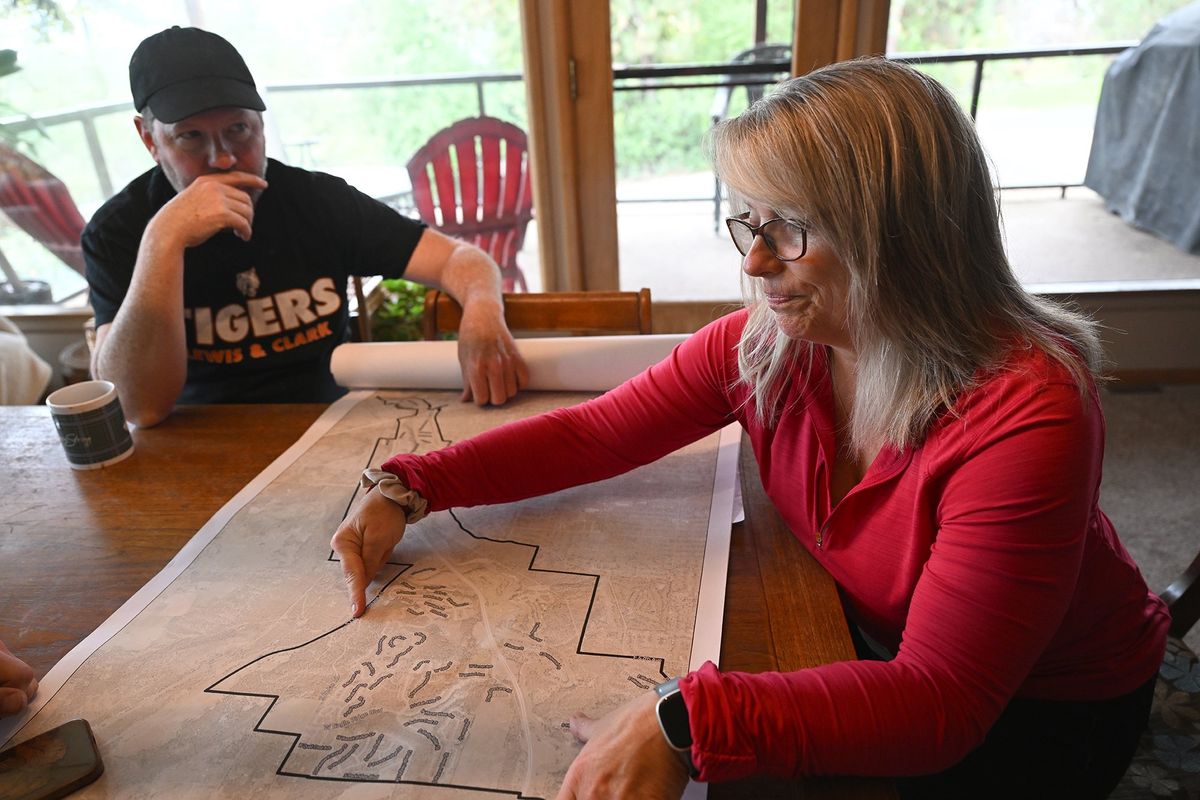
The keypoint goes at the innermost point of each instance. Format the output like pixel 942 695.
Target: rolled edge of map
pixel 565 364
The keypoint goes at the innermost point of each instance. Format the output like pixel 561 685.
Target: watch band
pixel 673 721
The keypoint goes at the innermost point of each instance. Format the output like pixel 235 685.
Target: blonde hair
pixel 880 159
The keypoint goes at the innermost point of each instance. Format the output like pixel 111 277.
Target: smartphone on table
pixel 51 764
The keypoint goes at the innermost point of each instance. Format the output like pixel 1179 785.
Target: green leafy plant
pixel 399 317
pixel 43 15
pixel 8 136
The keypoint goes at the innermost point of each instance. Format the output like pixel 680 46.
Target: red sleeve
pixel 1015 499
pixel 674 403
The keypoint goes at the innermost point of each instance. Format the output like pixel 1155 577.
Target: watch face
pixel 673 717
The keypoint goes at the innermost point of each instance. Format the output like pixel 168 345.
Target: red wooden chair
pixel 489 202
pixel 39 203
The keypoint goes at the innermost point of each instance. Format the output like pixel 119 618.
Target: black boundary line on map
pixel 274 698
pixel 591 601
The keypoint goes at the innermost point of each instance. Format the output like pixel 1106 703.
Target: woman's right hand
pixel 364 541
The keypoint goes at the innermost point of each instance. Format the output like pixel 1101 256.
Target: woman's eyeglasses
pixel 787 239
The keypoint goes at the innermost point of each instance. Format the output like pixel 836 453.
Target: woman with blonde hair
pixel 930 432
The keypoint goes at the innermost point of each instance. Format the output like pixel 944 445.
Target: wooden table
pixel 76 545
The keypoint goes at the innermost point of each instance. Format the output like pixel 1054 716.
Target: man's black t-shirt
pixel 263 316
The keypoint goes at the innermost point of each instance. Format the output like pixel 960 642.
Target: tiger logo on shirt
pixel 248 282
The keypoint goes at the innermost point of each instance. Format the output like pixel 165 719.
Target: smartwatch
pixel 672 716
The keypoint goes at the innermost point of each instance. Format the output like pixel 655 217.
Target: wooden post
pixel 837 30
pixel 568 75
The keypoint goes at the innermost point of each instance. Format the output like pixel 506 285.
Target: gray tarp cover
pixel 1145 159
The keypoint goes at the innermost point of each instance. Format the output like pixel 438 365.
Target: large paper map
pixel 243 676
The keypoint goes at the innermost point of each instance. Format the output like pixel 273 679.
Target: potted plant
pixel 399 316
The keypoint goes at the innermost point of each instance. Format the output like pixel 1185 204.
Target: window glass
pixel 934 25
pixel 1035 115
pixel 671 233
pixel 452 58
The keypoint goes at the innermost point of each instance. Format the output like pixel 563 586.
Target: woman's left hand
pixel 624 756
pixel 364 541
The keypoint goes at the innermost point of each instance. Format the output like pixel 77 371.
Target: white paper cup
pixel 91 424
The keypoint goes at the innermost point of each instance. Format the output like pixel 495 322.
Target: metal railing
pixel 981 57
pixel 763 73
pixel 478 79
pixel 84 115
pixel 625 79
pixel 87 115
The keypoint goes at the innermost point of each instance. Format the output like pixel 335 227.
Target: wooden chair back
pixel 572 313
pixel 471 180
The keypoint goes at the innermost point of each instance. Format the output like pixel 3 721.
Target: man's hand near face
pixel 150 322
pixel 208 206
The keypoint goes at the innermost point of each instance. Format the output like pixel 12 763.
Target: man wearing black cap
pixel 220 275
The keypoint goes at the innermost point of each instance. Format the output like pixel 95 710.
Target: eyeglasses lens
pixel 743 237
pixel 786 240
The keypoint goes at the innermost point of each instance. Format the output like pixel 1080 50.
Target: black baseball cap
pixel 183 71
